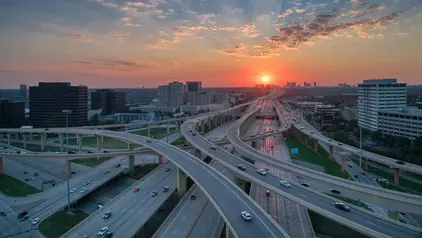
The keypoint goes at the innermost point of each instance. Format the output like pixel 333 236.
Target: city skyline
pixel 114 43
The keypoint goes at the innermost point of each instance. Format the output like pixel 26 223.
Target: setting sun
pixel 265 79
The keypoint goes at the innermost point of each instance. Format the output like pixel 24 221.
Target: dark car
pixel 22 214
pixel 167 169
pixel 73 172
pixel 3 214
pixel 106 151
pixel 400 162
pixel 342 206
pixel 89 152
pixel 193 197
pixel 109 234
pixel 356 176
pixel 241 167
pixel 24 218
pixel 25 172
pixel 27 179
pixel 213 148
pixel 194 134
pixel 402 220
pixel 335 191
pixel 46 129
pixel 71 152
pixel 305 184
pixel 118 165
pixel 36 174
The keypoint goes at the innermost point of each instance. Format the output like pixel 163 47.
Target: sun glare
pixel 265 79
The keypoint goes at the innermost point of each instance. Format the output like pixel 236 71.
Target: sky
pixel 223 43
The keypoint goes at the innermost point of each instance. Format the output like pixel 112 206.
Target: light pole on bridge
pixel 67 112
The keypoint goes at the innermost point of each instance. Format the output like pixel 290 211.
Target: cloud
pixel 123 65
pixel 162 43
pixel 80 37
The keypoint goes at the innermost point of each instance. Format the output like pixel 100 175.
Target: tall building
pixel 24 94
pixel 194 86
pixel 12 114
pixel 48 100
pixel 378 94
pixel 108 100
pixel 171 95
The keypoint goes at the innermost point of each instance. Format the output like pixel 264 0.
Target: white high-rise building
pixel 171 95
pixel 375 95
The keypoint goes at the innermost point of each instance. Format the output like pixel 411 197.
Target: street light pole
pixel 67 111
pixel 360 147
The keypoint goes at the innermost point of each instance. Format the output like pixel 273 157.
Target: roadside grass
pixel 59 223
pixel 13 187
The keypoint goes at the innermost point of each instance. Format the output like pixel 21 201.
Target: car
pixel 350 165
pixel 106 151
pixel 99 205
pixel 342 206
pixel 305 184
pixel 329 140
pixel 3 214
pixel 356 176
pixel 267 169
pixel 73 190
pixel 83 191
pixel 400 162
pixel 241 167
pixel 25 172
pixel 27 179
pixel 103 231
pixel 167 169
pixel 89 152
pixel 285 183
pixel 46 129
pixel 165 189
pixel 118 165
pixel 32 178
pixel 107 215
pixel 193 134
pixel 22 214
pixel 363 173
pixel 153 194
pixel 73 172
pixel 335 191
pixel 35 221
pixel 267 193
pixel 262 172
pixel 36 174
pixel 246 215
pixel 109 234
pixel 86 235
pixel 149 141
pixel 403 213
pixel 136 190
pixel 107 171
pixel 213 148
pixel 86 183
pixel 402 220
pixel 24 218
pixel 193 197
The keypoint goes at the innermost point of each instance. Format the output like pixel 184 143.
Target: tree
pixel 376 136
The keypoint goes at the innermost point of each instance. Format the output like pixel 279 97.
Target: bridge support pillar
pixel 306 140
pixel 343 155
pixel 149 130
pixel 181 183
pixel 203 127
pixel 365 164
pixel 8 138
pixel 79 142
pixel 43 138
pixel 315 146
pixel 24 140
pixel 396 176
pixel 331 151
pixel 1 165
pixel 253 144
pixel 240 183
pixel 132 165
pixel 160 159
pixel 98 144
pixel 197 153
pixel 30 137
pixel 61 142
pixel 68 169
pixel 102 139
pixel 229 233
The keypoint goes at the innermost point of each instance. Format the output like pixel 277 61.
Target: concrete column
pixel 80 142
pixel 61 142
pixel 203 127
pixel 365 164
pixel 149 130
pixel 331 151
pixel 396 176
pixel 24 140
pixel 253 144
pixel 43 138
pixel 306 140
pixel 181 183
pixel 98 144
pixel 315 146
pixel 132 164
pixel 343 155
pixel 197 153
pixel 8 138
pixel 229 233
pixel 1 165
pixel 102 139
pixel 68 169
pixel 160 159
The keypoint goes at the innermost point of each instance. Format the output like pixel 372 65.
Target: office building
pixel 375 95
pixel 199 98
pixel 220 97
pixel 406 122
pixel 349 99
pixel 171 95
pixel 108 100
pixel 194 86
pixel 12 114
pixel 24 94
pixel 48 100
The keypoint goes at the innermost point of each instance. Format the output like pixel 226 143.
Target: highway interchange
pixel 213 184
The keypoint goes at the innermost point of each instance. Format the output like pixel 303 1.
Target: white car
pixel 103 231
pixel 35 221
pixel 107 171
pixel 83 190
pixel 262 172
pixel 285 184
pixel 246 215
pixel 153 194
pixel 73 190
pixel 32 178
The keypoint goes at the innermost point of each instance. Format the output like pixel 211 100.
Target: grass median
pixel 306 154
pixel 59 223
pixel 13 187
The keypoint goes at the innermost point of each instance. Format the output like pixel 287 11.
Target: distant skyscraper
pixel 12 114
pixel 194 86
pixel 24 94
pixel 171 95
pixel 108 100
pixel 48 100
pixel 314 84
pixel 379 94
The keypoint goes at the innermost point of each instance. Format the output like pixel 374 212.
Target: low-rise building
pixel 405 122
pixel 129 117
